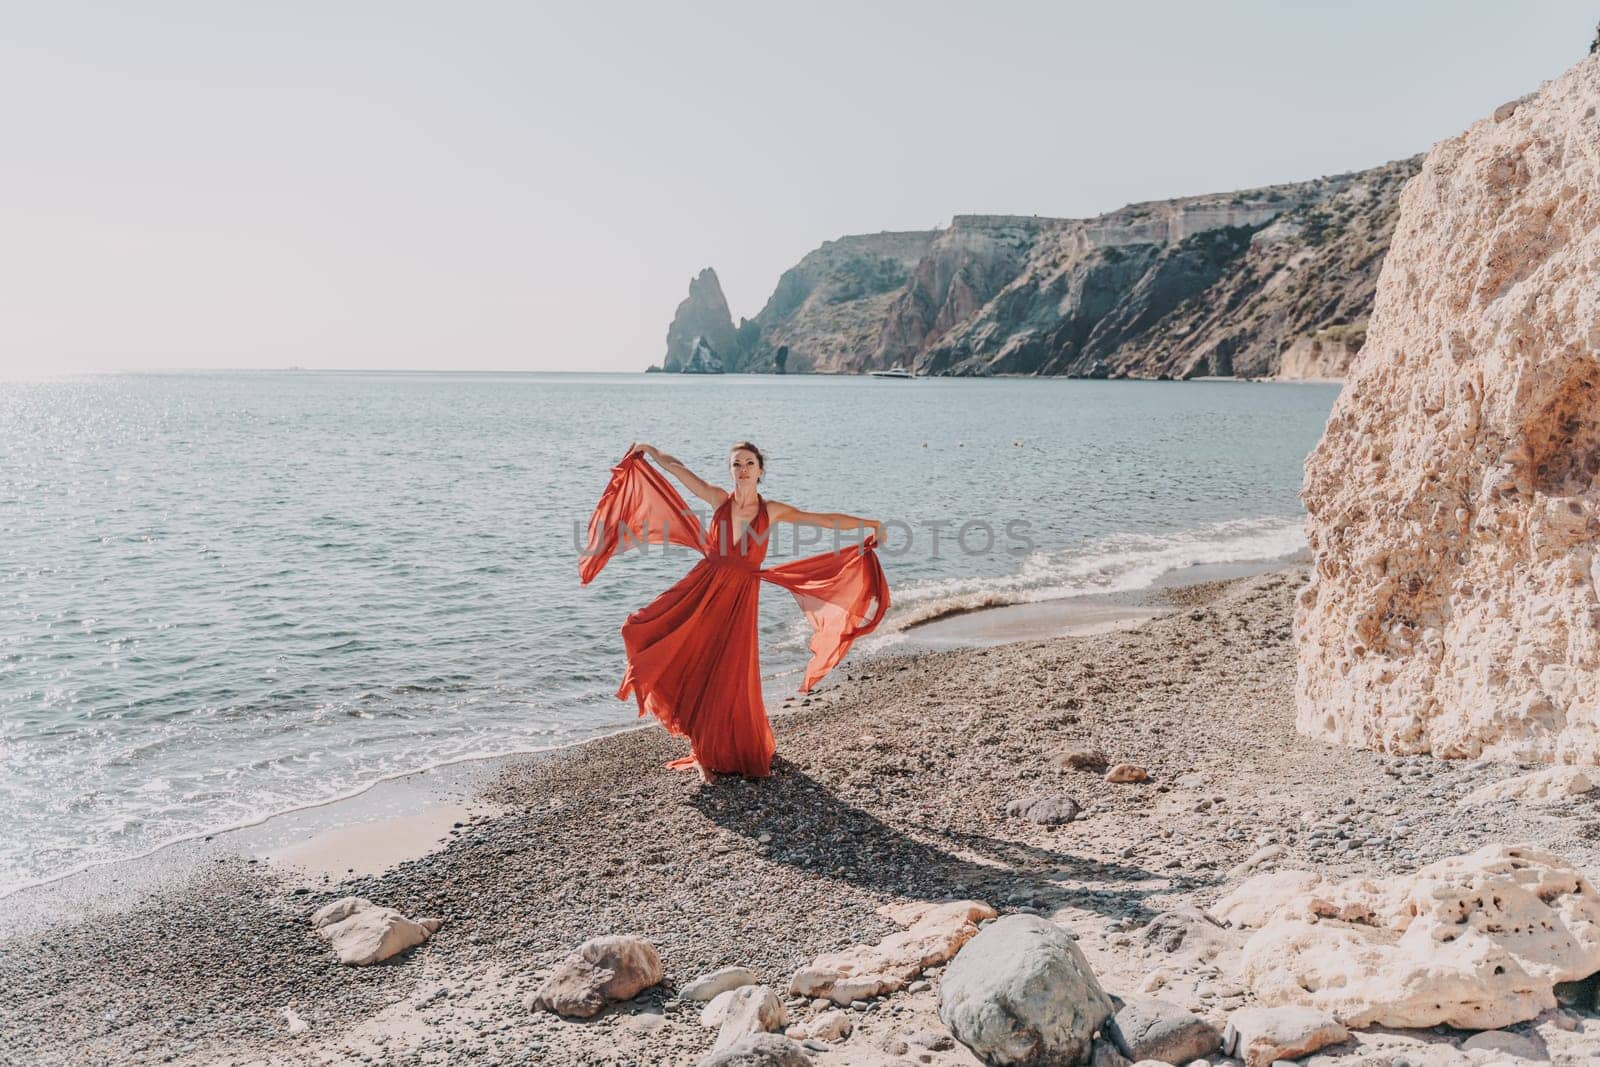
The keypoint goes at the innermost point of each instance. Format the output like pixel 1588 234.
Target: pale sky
pixel 526 186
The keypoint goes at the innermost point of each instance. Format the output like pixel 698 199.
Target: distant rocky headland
pixel 1269 282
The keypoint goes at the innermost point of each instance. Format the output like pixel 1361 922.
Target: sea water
pixel 227 595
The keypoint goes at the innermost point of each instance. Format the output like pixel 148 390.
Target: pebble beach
pixel 892 786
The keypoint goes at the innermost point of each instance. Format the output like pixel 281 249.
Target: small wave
pixel 274 806
pixel 1114 564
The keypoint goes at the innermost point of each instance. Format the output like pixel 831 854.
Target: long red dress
pixel 693 655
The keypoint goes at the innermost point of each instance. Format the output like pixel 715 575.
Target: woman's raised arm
pixel 692 481
pixel 828 520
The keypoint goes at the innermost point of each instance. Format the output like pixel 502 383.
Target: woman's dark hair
pixel 746 446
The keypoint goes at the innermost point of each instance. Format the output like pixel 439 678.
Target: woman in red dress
pixel 693 659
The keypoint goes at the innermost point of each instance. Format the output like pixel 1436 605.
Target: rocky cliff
pixel 1295 303
pixel 702 317
pixel 829 309
pixel 1095 284
pixel 1454 500
pixel 962 270
pixel 1276 281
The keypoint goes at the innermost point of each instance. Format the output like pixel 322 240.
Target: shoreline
pixel 351 798
pixel 1074 616
pixel 420 791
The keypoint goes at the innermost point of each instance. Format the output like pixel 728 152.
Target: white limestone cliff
pixel 1454 500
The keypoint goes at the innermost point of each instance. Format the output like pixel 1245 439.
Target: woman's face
pixel 744 467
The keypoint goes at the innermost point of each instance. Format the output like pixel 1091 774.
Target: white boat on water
pixel 896 371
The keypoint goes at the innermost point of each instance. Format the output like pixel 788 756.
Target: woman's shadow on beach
pixel 797 821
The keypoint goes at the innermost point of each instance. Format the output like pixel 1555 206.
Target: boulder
pixel 1127 772
pixel 751 1009
pixel 1146 1029
pixel 1503 1044
pixel 1021 992
pixel 602 970
pixel 1553 785
pixel 1260 1036
pixel 709 985
pixel 339 911
pixel 1476 941
pixel 934 934
pixel 1259 900
pixel 361 933
pixel 716 1009
pixel 1185 933
pixel 760 1050
pixel 1047 809
pixel 831 1025
pixel 1105 1054
pixel 1453 503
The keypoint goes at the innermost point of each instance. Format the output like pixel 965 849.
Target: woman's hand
pixel 696 485
pixel 877 530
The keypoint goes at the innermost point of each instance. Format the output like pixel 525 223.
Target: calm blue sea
pixel 225 595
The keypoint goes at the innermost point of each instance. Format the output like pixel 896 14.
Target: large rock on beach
pixel 1454 499
pixel 602 970
pixel 716 1009
pixel 1553 785
pixel 1477 941
pixel 1261 899
pixel 831 1025
pixel 1503 1046
pixel 934 933
pixel 709 985
pixel 1046 809
pixel 361 932
pixel 1262 1036
pixel 1106 1054
pixel 1021 992
pixel 1127 772
pixel 750 1010
pixel 1146 1029
pixel 1185 933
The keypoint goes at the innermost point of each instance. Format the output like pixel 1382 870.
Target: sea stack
pixel 702 320
pixel 1454 510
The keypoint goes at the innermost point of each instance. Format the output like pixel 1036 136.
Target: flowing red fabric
pixel 693 656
